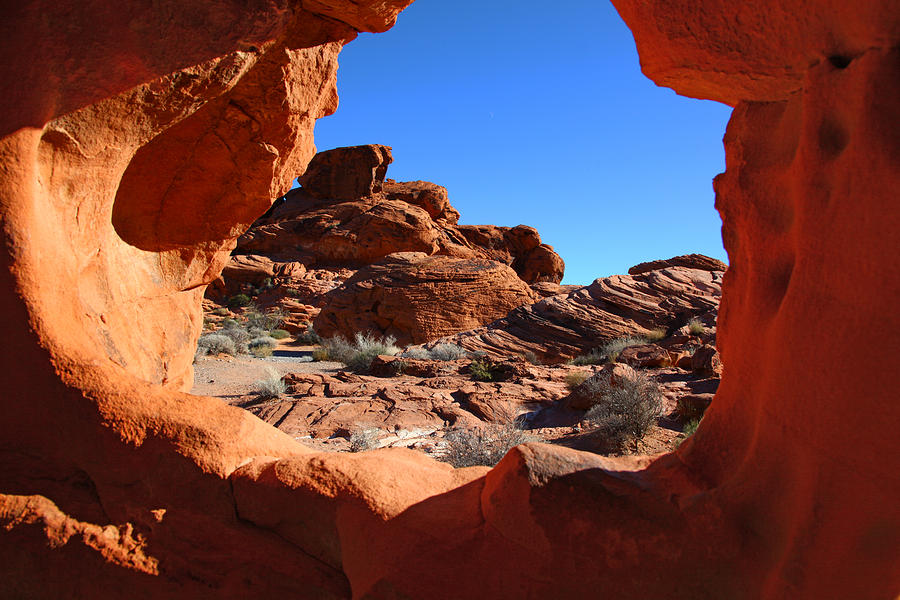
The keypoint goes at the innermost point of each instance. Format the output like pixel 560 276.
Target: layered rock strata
pixel 416 298
pixel 114 481
pixel 566 325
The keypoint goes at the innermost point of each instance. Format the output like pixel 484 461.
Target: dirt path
pixel 230 377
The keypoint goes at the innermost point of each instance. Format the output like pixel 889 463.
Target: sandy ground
pixel 233 376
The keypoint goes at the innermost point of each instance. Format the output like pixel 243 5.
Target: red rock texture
pixel 416 298
pixel 347 173
pixel 347 215
pixel 566 325
pixel 690 261
pixel 116 485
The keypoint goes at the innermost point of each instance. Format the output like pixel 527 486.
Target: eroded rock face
pixel 347 173
pixel 347 215
pixel 565 325
pixel 787 490
pixel 416 298
pixel 690 261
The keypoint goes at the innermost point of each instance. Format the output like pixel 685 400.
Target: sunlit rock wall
pixel 138 139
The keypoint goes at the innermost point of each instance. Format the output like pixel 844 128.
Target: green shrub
pixel 483 369
pixel 320 354
pixel 573 380
pixel 238 300
pixel 231 324
pixel 271 386
pixel 609 351
pixel 696 327
pixel 690 427
pixel 216 343
pixel 594 357
pixel 309 337
pixel 484 445
pixel 623 412
pixel 447 352
pixel 359 354
pixel 261 347
pixel 367 347
pixel 279 334
pixel 221 312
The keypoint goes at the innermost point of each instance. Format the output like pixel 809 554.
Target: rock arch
pixel 115 481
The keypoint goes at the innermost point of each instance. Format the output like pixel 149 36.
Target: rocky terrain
pixel 661 322
pixel 331 241
pixel 117 484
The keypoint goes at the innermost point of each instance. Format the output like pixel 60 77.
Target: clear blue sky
pixel 541 117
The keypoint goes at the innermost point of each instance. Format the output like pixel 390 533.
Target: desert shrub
pixel 221 312
pixel 366 348
pixel 531 357
pixel 573 380
pixel 623 412
pixel 238 300
pixel 484 445
pixel 231 324
pixel 270 386
pixel 320 354
pixel 447 352
pixel 690 427
pixel 256 332
pixel 279 334
pixel 200 352
pixel 483 369
pixel 309 337
pixel 364 439
pixel 216 343
pixel 238 335
pixel 613 348
pixel 267 321
pixel 655 334
pixel 262 346
pixel 696 327
pixel 359 354
pixel 416 353
pixel 260 351
pixel 594 357
pixel 609 351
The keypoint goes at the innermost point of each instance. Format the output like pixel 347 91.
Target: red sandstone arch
pixel 114 483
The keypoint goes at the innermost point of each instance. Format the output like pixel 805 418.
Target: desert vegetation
pixel 357 354
pixel 624 410
pixel 484 446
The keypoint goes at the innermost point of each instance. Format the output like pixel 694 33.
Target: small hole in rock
pixel 840 61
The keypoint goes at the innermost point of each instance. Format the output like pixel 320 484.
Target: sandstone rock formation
pixel 116 484
pixel 566 325
pixel 416 298
pixel 347 217
pixel 690 261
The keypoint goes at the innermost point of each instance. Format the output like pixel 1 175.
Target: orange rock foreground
pixel 115 485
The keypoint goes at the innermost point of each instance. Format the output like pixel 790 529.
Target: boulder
pixel 646 356
pixel 706 362
pixel 417 298
pixel 689 261
pixel 424 194
pixel 347 173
